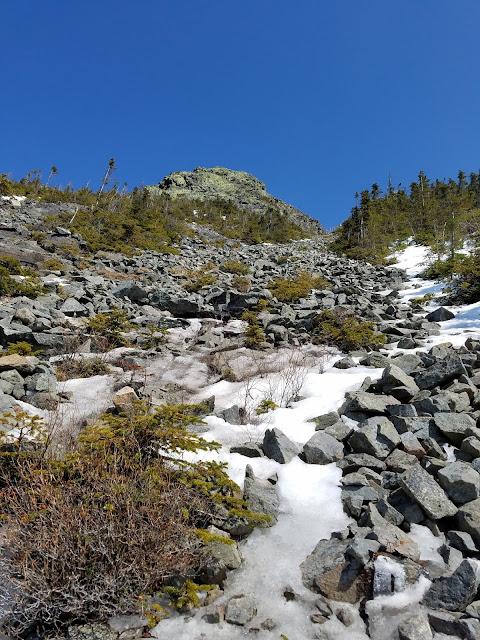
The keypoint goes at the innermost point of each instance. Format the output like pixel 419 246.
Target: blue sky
pixel 317 99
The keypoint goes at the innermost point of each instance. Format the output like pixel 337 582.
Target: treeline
pixel 116 219
pixel 442 214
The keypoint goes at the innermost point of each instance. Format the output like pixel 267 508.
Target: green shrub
pixel 29 286
pixel 345 331
pixel 254 334
pixel 242 284
pixel 110 326
pixel 428 297
pixel 236 267
pixel 52 264
pixel 22 348
pixel 287 290
pixel 93 534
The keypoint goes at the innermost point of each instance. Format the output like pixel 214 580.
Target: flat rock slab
pixel 454 425
pixel 421 487
pixel 364 402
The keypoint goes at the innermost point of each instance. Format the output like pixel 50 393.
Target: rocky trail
pixel 368 463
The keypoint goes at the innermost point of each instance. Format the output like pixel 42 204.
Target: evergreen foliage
pixel 343 330
pixel 290 290
pixel 118 220
pixel 96 533
pixel 441 214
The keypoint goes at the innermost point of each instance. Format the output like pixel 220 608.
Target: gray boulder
pixel 377 437
pixel 129 290
pixel 261 497
pixel 176 305
pixel 454 425
pixel 322 448
pixel 72 307
pixel 440 315
pixel 454 592
pixel 393 377
pixel 415 627
pixel 421 487
pixel 468 519
pixel 460 481
pixel 240 609
pixel 278 447
pixel 369 403
pixel 441 372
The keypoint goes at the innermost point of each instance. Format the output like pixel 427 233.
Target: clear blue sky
pixel 317 99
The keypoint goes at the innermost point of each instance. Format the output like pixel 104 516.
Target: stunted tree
pixel 53 172
pixel 107 177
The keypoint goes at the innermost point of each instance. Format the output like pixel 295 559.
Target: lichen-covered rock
pixel 422 488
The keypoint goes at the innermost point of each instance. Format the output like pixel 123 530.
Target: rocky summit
pixel 239 187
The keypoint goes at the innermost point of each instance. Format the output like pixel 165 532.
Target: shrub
pixel 80 368
pixel 345 331
pixel 94 533
pixel 199 278
pixel 287 290
pixel 22 348
pixel 52 264
pixel 28 286
pixel 236 267
pixel 428 297
pixel 110 326
pixel 254 334
pixel 241 284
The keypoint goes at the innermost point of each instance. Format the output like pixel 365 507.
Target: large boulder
pixel 440 315
pixel 460 481
pixel 179 306
pixel 468 519
pixel 421 487
pixel 278 447
pixel 261 497
pixel 377 437
pixel 454 592
pixel 454 425
pixel 441 372
pixel 329 570
pixel 322 448
pixel 130 290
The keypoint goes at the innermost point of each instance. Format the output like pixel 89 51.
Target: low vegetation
pixel 341 329
pixel 291 290
pixel 73 367
pixel 27 283
pixel 98 532
pixel 109 327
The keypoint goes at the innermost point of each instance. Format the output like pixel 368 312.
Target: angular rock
pixel 460 481
pixel 377 437
pixel 328 571
pixel 261 497
pixel 468 519
pixel 124 399
pixel 322 448
pixel 415 627
pixel 278 447
pixel 422 488
pixel 248 449
pixel 21 364
pixel 240 609
pixel 71 307
pixel 327 420
pixel 454 592
pixel 441 372
pixel 366 403
pixel 440 315
pixel 454 425
pixel 129 290
pixel 393 377
pixel 225 552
